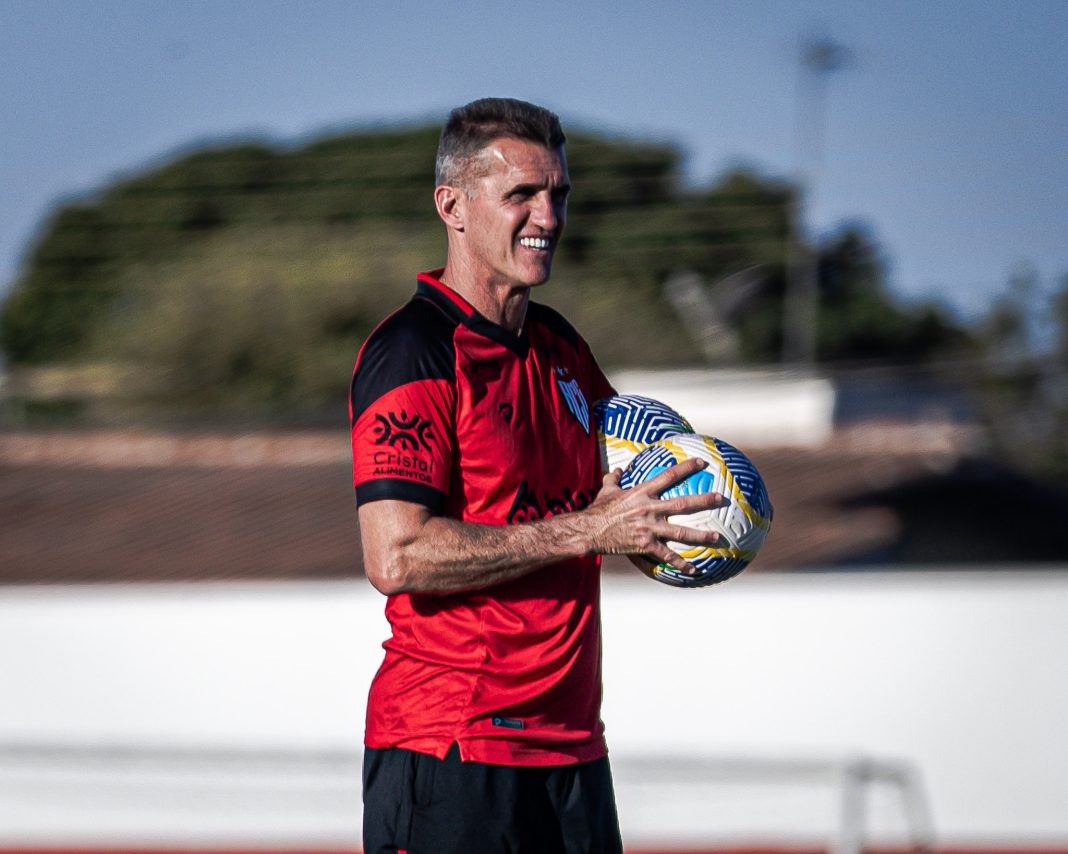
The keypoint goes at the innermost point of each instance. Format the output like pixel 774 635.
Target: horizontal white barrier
pixel 226 713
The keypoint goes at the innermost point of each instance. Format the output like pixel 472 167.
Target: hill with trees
pixel 243 277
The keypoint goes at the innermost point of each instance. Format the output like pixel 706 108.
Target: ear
pixel 449 201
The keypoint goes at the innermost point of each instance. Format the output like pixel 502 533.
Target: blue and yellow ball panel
pixel 628 423
pixel 743 521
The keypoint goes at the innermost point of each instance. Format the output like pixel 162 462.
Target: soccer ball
pixel 628 423
pixel 743 520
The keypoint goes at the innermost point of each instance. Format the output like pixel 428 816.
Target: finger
pixel 689 536
pixel 683 504
pixel 674 474
pixel 673 559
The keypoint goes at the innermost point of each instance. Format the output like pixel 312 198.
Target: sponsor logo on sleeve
pixel 406 445
pixel 407 433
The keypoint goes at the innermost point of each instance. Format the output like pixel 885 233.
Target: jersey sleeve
pixel 402 413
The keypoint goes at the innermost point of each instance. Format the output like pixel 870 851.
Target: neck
pixel 504 304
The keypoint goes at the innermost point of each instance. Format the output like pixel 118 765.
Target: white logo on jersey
pixel 576 401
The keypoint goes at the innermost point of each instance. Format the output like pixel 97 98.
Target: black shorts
pixel 416 803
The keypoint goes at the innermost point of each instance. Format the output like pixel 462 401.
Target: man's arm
pixel 408 550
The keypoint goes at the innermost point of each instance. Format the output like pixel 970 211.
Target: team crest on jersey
pixel 573 396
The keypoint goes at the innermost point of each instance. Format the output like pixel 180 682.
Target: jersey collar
pixel 431 287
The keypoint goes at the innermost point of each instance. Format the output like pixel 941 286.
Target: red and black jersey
pixel 454 412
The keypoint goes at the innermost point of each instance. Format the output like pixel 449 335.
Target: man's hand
pixel 635 521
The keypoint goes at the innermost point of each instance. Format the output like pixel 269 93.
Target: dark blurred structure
pixel 106 506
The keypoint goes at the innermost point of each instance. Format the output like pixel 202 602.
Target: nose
pixel 546 213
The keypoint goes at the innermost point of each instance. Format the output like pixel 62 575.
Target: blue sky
pixel 947 134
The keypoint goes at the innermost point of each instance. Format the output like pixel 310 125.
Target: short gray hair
pixel 472 127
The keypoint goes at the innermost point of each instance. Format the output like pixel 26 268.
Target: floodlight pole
pixel 818 58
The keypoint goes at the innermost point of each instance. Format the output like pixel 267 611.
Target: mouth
pixel 537 243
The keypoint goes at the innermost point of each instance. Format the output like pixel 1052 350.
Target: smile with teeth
pixel 534 242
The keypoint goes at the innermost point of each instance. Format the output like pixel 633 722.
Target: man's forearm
pixel 448 556
pixel 407 550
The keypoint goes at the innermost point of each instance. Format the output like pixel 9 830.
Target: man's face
pixel 515 211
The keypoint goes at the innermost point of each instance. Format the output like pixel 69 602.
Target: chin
pixel 539 278
pixel 529 276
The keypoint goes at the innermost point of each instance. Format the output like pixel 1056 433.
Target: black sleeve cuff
pixel 398 489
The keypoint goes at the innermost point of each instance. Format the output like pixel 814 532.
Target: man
pixel 483 514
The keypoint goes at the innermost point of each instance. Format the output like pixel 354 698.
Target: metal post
pixel 852 819
pixel 818 58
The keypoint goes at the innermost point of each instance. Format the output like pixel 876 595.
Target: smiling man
pixel 483 512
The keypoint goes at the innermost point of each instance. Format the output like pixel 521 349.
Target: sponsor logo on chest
pixel 527 506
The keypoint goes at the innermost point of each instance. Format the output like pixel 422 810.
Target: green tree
pixel 859 321
pixel 244 277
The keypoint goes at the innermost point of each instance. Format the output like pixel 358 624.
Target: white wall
pixel 747 408
pixel 962 674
